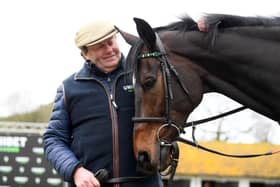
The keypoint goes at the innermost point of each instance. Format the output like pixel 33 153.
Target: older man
pixel 90 127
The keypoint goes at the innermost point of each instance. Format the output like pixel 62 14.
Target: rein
pixel 103 177
pixel 205 120
pixel 195 144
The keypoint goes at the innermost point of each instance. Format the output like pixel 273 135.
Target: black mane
pixel 214 22
pixel 186 23
pixel 220 21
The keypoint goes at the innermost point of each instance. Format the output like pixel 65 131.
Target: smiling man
pixel 90 129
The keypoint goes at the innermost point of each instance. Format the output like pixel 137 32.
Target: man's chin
pixel 110 68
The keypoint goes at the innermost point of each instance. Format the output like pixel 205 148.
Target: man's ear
pixel 129 38
pixel 83 54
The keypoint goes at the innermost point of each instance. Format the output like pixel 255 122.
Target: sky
pixel 37 49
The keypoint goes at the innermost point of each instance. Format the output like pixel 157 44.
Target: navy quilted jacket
pixel 91 126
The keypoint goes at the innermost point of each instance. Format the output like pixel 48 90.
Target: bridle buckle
pixel 162 141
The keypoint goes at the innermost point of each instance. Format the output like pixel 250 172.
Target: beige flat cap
pixel 94 33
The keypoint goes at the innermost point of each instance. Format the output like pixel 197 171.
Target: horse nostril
pixel 143 157
pixel 144 165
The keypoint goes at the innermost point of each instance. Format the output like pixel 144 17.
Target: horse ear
pixel 146 32
pixel 129 38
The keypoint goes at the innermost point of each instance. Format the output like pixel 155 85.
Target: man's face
pixel 105 55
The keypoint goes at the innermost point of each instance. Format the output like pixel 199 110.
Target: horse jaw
pixel 150 156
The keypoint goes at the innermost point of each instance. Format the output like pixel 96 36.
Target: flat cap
pixel 94 33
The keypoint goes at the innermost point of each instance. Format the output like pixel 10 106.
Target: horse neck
pixel 232 67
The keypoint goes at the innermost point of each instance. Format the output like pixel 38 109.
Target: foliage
pixel 41 114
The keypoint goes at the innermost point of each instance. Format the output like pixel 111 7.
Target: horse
pixel 173 66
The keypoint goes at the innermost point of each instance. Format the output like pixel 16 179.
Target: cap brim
pixel 114 32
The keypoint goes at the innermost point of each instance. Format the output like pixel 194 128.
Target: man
pixel 90 127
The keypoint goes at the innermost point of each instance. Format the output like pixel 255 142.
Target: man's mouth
pixel 109 57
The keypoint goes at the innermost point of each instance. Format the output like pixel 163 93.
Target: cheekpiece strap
pixel 149 55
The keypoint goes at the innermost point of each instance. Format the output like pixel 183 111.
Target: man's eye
pixel 110 42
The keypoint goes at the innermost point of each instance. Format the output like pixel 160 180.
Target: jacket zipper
pixel 115 132
pixel 114 116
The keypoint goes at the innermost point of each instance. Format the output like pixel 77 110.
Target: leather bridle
pixel 167 70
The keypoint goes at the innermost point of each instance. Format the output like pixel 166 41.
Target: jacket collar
pixel 90 71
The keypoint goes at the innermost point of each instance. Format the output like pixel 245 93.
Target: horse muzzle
pixel 165 156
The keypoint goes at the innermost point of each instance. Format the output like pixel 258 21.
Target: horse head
pixel 174 66
pixel 163 98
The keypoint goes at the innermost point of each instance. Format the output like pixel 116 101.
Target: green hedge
pixel 41 114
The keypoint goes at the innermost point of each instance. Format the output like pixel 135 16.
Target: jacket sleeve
pixel 57 139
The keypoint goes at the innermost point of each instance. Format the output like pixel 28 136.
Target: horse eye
pixel 149 83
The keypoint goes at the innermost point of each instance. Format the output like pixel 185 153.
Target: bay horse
pixel 174 65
